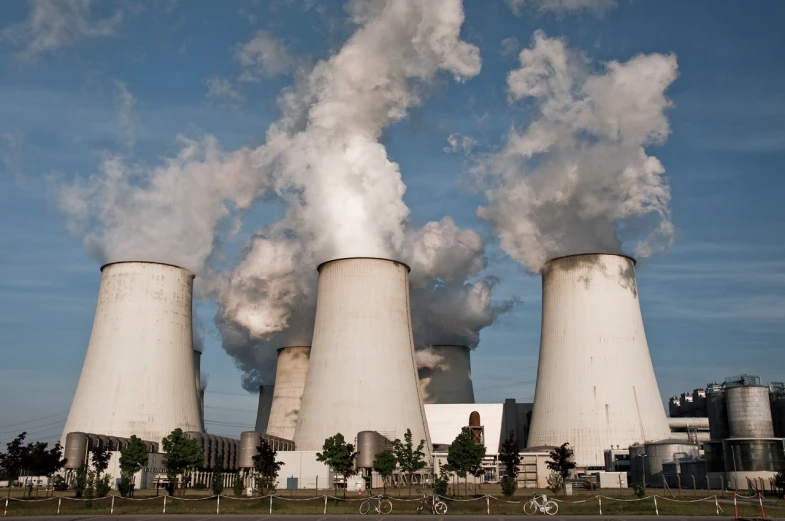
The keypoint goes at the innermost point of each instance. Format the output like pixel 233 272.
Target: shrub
pixel 509 485
pixel 555 482
pixel 640 490
pixel 124 486
pixel 238 485
pixel 102 486
pixel 441 483
pixel 589 485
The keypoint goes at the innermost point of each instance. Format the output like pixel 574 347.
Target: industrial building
pixel 596 387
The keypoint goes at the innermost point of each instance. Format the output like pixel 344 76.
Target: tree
pixel 40 460
pixel 561 461
pixel 182 455
pixel 238 485
pixel 339 456
pixel 14 459
pixel 218 477
pixel 409 459
pixel 266 467
pixel 464 456
pixel 384 463
pixel 80 481
pixel 510 458
pixel 555 482
pixel 133 458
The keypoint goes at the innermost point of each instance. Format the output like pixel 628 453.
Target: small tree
pixel 555 482
pixel 14 459
pixel 339 456
pixel 561 461
pixel 238 485
pixel 266 467
pixel 100 462
pixel 133 458
pixel 384 463
pixel 409 459
pixel 464 456
pixel 80 481
pixel 218 477
pixel 182 455
pixel 510 459
pixel 40 460
pixel 441 483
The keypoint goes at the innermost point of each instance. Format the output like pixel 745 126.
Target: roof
pixel 445 421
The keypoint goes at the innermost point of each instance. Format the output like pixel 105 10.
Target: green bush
pixel 441 483
pixel 124 486
pixel 640 490
pixel 102 486
pixel 238 485
pixel 509 485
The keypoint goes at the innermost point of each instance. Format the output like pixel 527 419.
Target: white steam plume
pixel 577 178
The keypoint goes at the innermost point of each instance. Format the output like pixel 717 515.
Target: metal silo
pixel 290 373
pixel 595 381
pixel 138 374
pixel 362 373
pixel 75 449
pixel 752 458
pixel 778 412
pixel 666 451
pixel 637 463
pixel 718 411
pixel 263 411
pixel 749 410
pixel 449 381
pixel 249 440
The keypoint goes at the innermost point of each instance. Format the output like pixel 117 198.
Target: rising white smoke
pixel 577 178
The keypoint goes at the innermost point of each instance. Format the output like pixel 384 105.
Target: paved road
pixel 338 517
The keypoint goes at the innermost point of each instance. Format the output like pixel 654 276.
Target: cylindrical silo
pixel 362 373
pixel 595 381
pixel 778 412
pixel 290 374
pixel 637 463
pixel 449 380
pixel 249 441
pixel 666 451
pixel 138 374
pixel 263 411
pixel 197 355
pixel 718 411
pixel 75 449
pixel 749 411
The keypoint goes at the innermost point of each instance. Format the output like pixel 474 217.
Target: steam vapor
pixel 577 178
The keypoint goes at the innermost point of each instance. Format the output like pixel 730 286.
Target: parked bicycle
pixel 546 506
pixel 435 505
pixel 382 506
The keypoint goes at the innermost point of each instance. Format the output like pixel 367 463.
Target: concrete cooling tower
pixel 362 374
pixel 138 374
pixel 596 387
pixel 449 378
pixel 290 373
pixel 198 382
pixel 263 412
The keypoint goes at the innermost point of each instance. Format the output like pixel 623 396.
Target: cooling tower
pixel 362 374
pixel 198 382
pixel 263 412
pixel 138 374
pixel 449 378
pixel 290 373
pixel 595 382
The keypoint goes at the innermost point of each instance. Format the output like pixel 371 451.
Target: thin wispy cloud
pixel 597 7
pixel 56 24
pixel 263 56
pixel 124 105
pixel 221 89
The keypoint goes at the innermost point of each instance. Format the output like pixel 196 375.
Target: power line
pixel 16 431
pixel 502 386
pixel 31 421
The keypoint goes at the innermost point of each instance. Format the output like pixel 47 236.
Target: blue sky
pixel 130 77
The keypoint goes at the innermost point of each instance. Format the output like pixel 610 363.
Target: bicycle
pixel 436 507
pixel 383 506
pixel 548 506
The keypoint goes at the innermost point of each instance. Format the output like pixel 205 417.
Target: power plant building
pixel 138 374
pixel 290 373
pixel 449 380
pixel 596 387
pixel 362 374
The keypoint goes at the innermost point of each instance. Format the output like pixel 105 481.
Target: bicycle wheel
pixel 551 508
pixel 385 507
pixel 530 507
pixel 365 506
pixel 440 508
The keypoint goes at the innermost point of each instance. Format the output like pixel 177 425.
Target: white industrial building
pixel 138 374
pixel 596 387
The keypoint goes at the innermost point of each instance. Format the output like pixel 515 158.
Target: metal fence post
pixel 59 501
pixel 656 508
pixel 271 503
pixel 111 509
pixel 325 503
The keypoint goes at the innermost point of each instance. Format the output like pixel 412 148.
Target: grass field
pixel 614 502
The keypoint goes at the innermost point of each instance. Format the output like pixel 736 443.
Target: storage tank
pixel 718 411
pixel 369 444
pixel 249 441
pixel 752 458
pixel 263 411
pixel 362 373
pixel 749 411
pixel 666 451
pixel 75 450
pixel 449 381
pixel 138 374
pixel 693 473
pixel 595 381
pixel 637 469
pixel 290 373
pixel 778 412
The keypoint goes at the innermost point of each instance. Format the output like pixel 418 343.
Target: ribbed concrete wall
pixel 198 383
pixel 263 411
pixel 138 374
pixel 595 382
pixel 450 380
pixel 362 374
pixel 290 373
